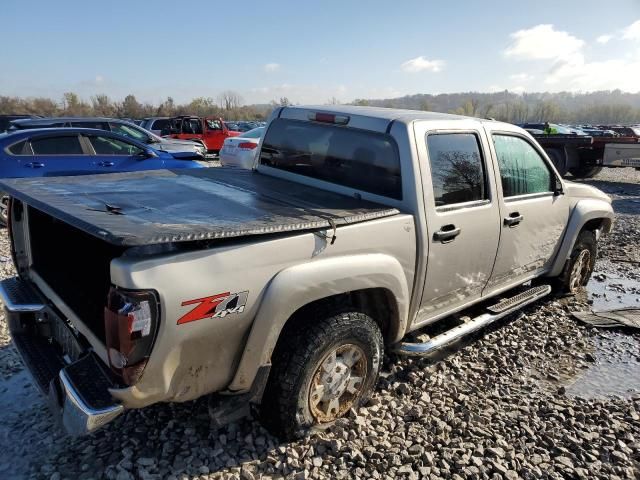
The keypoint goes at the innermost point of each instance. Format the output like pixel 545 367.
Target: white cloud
pixel 604 39
pixel 632 32
pixel 568 64
pixel 99 79
pixel 421 64
pixel 271 67
pixel 543 42
pixel 521 77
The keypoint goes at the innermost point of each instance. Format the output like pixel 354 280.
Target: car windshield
pixel 255 133
pixel 134 132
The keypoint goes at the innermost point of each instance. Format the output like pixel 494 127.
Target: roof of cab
pixel 382 113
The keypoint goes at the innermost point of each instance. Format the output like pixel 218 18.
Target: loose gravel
pixel 519 400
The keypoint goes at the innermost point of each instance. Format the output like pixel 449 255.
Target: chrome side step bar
pixel 502 309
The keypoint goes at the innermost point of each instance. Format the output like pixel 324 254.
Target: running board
pixel 500 310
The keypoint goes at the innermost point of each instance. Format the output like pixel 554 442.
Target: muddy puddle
pixel 609 291
pixel 609 364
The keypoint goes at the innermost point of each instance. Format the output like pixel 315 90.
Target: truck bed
pixel 165 206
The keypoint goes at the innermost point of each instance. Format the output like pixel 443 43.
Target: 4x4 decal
pixel 215 306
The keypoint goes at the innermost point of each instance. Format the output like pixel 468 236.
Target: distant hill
pixel 567 107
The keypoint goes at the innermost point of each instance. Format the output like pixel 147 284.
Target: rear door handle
pixel 106 164
pixel 34 164
pixel 513 219
pixel 447 233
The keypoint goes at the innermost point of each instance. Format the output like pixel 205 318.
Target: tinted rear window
pixel 57 146
pixel 359 159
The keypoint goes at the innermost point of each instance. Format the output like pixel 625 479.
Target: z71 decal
pixel 215 306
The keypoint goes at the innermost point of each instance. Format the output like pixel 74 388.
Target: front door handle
pixel 34 164
pixel 447 233
pixel 106 164
pixel 513 219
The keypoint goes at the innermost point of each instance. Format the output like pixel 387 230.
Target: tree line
pixel 606 107
pixel 602 107
pixel 228 105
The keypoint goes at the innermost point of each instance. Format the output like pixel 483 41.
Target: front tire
pixel 322 370
pixel 579 267
pixel 4 209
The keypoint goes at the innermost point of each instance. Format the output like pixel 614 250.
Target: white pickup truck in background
pixel 282 286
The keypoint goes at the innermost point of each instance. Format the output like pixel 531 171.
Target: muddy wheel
pixel 323 370
pixel 579 267
pixel 4 208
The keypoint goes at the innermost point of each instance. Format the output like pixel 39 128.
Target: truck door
pixel 533 211
pixel 190 128
pixel 463 220
pixel 215 133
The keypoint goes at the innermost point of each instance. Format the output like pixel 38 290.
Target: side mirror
pixel 148 153
pixel 558 190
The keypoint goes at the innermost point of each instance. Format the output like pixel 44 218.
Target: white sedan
pixel 241 151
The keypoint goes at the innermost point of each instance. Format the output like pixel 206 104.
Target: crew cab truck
pixel 212 132
pixel 283 285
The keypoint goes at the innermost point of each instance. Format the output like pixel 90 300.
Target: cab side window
pixel 457 168
pixel 522 170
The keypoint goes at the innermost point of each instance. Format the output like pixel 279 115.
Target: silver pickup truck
pixel 282 286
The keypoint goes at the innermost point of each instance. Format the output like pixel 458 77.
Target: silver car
pixel 121 127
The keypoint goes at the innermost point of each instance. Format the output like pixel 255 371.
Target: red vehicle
pixel 212 132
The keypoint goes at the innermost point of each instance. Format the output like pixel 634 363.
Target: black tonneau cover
pixel 162 206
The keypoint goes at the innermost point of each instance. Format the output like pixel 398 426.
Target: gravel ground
pixel 538 395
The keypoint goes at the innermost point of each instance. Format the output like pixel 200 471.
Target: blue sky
pixel 310 51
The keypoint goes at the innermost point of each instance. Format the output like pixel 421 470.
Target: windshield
pixel 134 132
pixel 255 133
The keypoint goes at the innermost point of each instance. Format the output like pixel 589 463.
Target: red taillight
pixel 248 145
pixel 329 118
pixel 131 321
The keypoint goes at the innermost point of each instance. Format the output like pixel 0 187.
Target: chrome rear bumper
pixel 78 391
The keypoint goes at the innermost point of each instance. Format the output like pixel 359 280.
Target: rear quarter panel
pixel 201 356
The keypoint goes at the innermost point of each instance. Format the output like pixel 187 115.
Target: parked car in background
pixel 623 131
pixel 78 151
pixel 155 124
pixel 241 151
pixel 600 132
pixel 211 131
pixel 119 126
pixel 5 120
pixel 558 129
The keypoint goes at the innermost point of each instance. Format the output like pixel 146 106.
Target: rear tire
pixel 559 160
pixel 578 269
pixel 321 370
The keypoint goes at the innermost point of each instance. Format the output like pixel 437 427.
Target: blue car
pixel 78 151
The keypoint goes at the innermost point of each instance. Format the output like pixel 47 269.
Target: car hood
pixel 177 146
pixel 580 190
